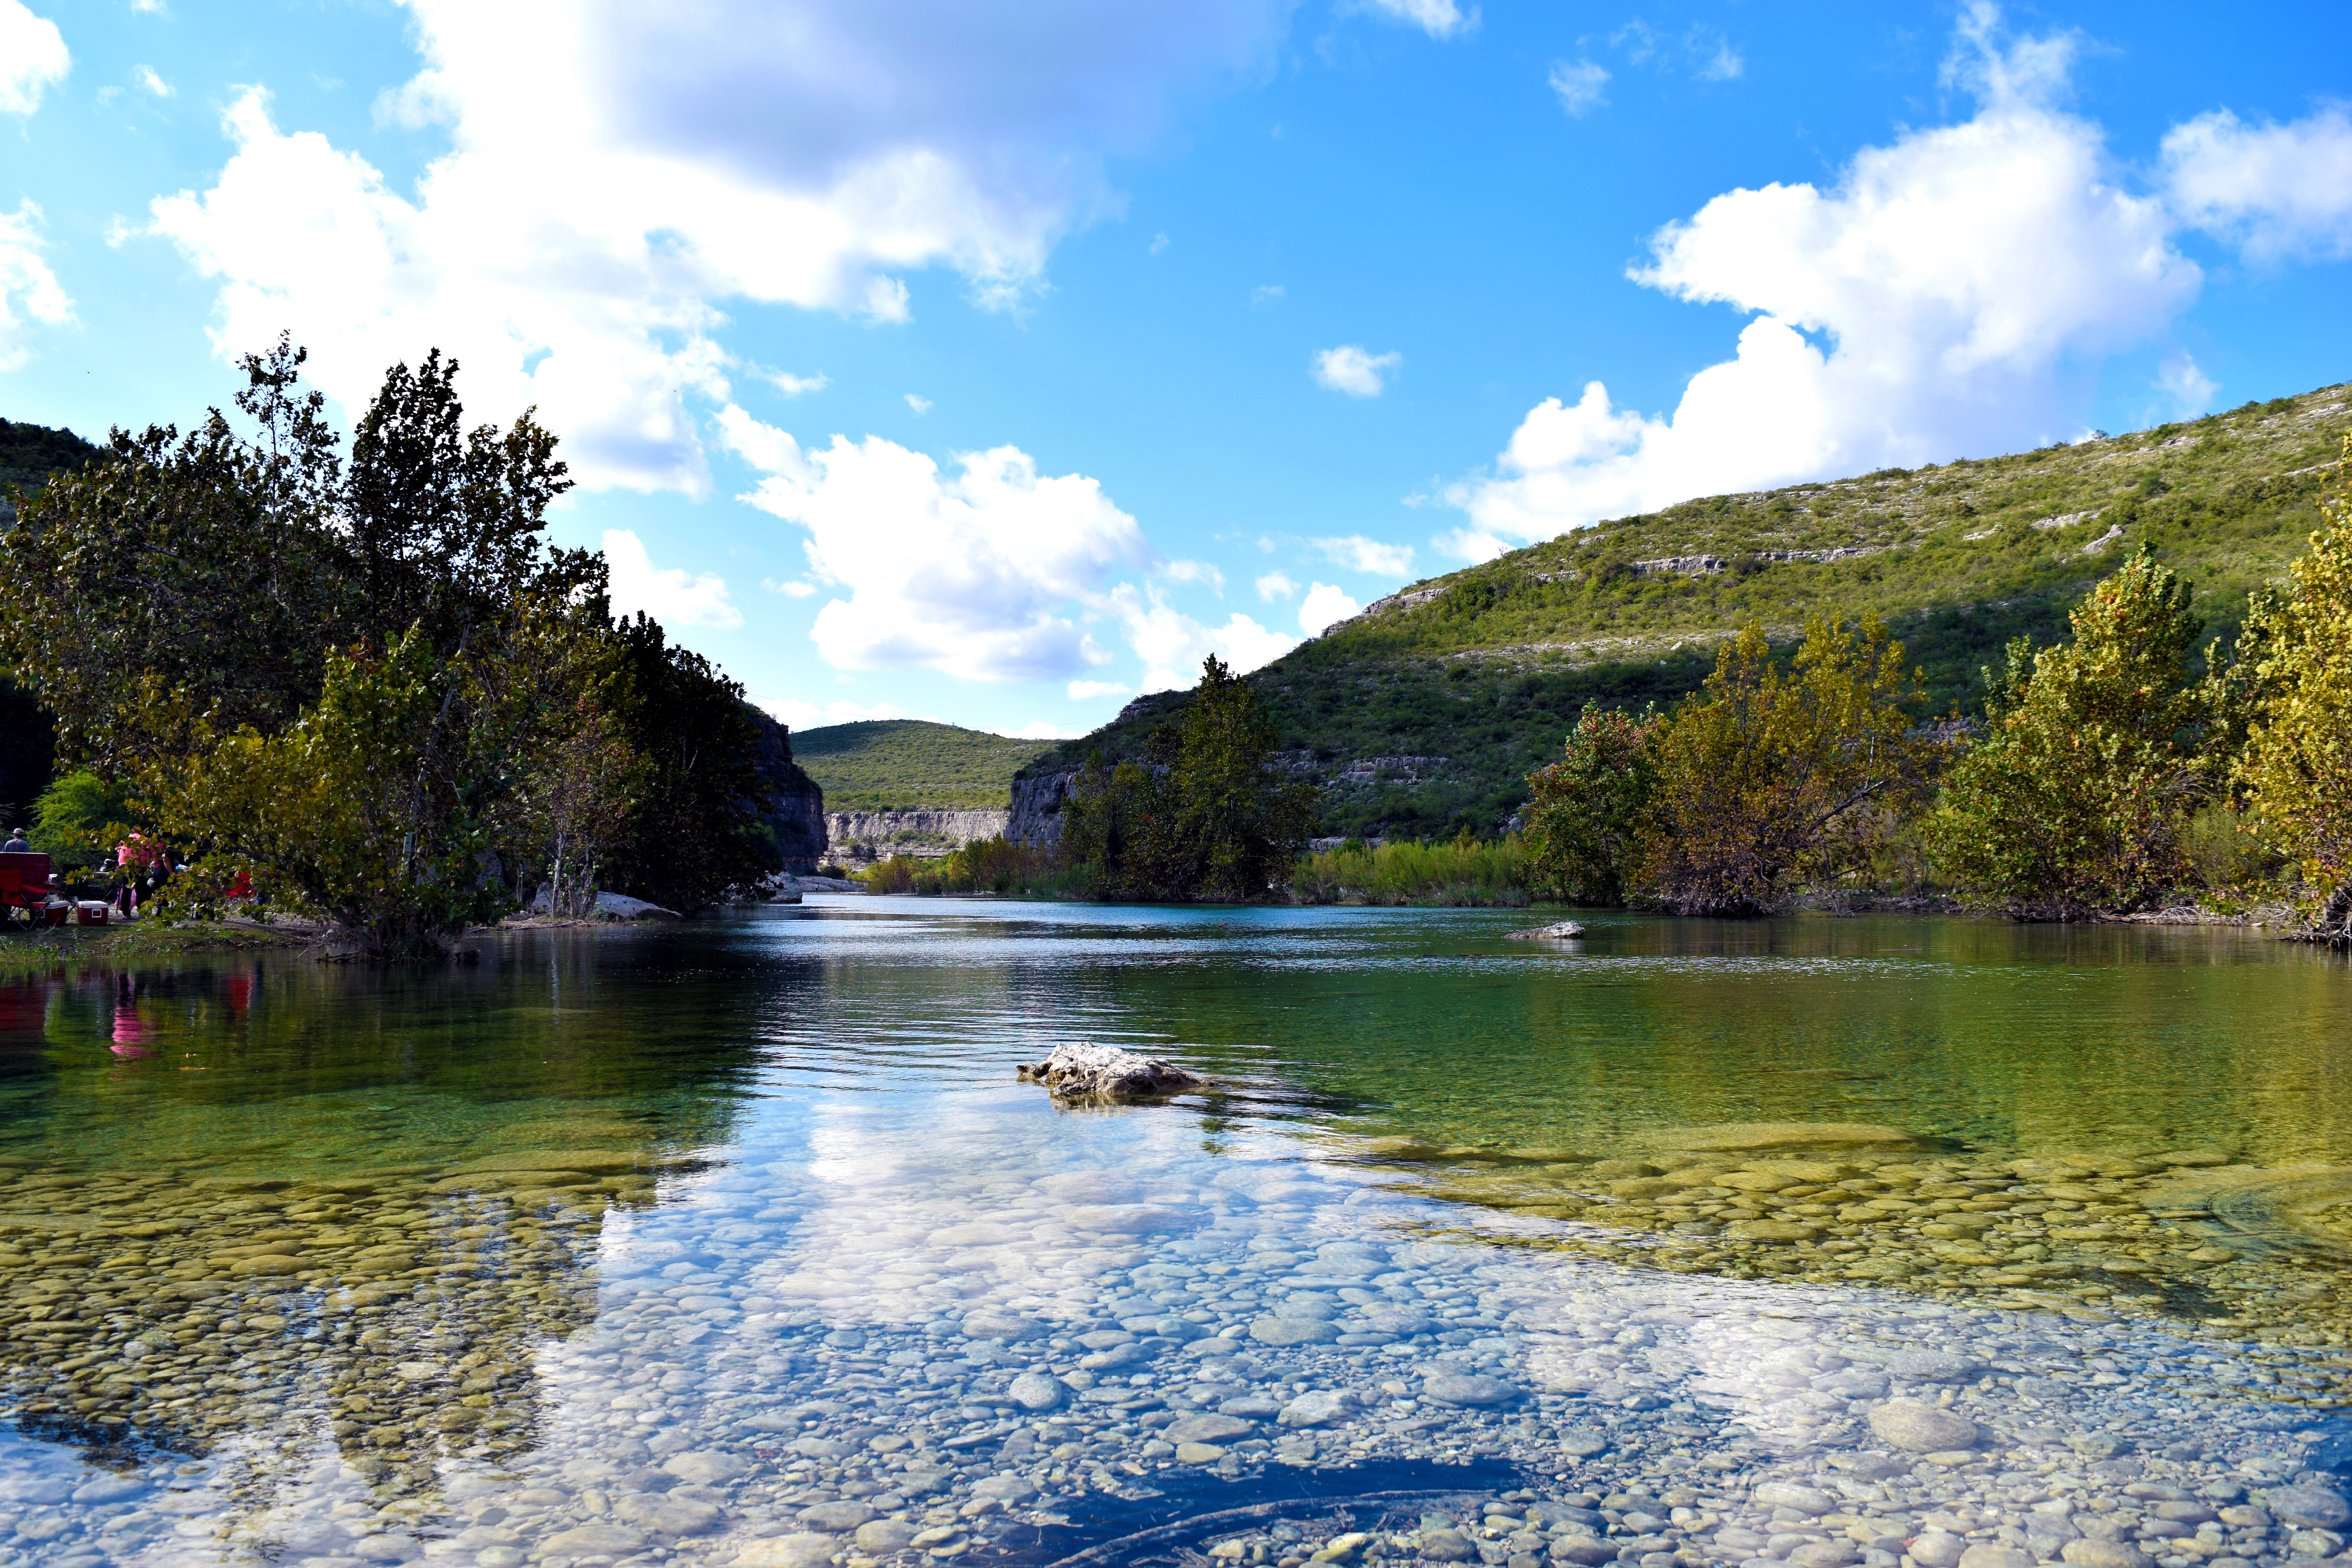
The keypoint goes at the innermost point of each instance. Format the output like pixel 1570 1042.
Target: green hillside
pixel 1424 714
pixel 30 454
pixel 903 763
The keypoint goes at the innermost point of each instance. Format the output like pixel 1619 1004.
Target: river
pixel 1891 1243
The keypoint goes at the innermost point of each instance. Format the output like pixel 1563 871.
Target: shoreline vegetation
pixel 2126 773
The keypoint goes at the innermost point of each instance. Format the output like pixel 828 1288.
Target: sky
pixel 946 359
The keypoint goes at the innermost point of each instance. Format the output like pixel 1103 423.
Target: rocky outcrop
pixel 1037 802
pixel 1106 1072
pixel 1565 931
pixel 797 808
pixel 862 836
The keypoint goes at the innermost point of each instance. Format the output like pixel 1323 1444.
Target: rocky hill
pixel 1422 715
pixel 909 786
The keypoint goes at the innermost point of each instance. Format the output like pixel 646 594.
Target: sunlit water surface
pixel 1829 1242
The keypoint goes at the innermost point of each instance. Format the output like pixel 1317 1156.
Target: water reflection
pixel 737 1244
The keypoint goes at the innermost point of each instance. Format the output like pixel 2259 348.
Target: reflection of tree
pixel 421 1172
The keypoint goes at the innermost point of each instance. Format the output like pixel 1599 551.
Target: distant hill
pixel 883 764
pixel 30 454
pixel 1422 715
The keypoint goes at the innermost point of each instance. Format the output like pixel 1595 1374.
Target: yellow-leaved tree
pixel 2296 769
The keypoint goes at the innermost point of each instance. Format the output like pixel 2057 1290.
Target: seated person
pixel 16 844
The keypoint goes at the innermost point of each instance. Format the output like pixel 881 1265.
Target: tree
pixel 2093 757
pixel 1588 810
pixel 1203 815
pixel 2296 768
pixel 1765 777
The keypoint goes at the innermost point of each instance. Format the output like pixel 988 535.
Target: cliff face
pixel 797 811
pixel 861 836
pixel 1037 802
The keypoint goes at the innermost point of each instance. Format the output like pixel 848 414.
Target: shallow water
pixel 739 1243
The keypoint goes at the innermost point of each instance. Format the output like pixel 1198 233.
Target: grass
pixel 24 951
pixel 1425 715
pixel 1461 873
pixel 885 764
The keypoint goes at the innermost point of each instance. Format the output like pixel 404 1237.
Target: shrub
pixel 1586 817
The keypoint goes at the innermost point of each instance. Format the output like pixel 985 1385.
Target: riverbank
pixel 39 952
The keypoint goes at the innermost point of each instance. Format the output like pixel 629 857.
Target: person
pixel 16 845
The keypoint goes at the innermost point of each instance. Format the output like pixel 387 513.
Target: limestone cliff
pixel 796 811
pixel 862 836
pixel 1037 802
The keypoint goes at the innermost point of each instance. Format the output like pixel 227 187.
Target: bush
pixel 1465 872
pixel 983 865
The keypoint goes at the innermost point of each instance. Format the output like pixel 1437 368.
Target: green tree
pixel 2296 768
pixel 1587 812
pixel 1765 777
pixel 2094 756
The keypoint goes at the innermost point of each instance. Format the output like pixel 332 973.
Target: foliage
pixel 2296 770
pixel 1461 873
pixel 697 832
pixel 2092 757
pixel 1587 811
pixel 1205 816
pixel 587 783
pixel 1772 776
pixel 79 818
pixel 1482 673
pixel 983 865
pixel 885 764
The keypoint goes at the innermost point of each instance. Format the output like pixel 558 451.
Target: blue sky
pixel 993 364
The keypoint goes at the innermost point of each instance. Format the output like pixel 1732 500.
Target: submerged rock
pixel 1565 931
pixel 1106 1072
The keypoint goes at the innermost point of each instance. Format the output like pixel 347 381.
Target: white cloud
pixel 1354 370
pixel 1438 18
pixel 1042 730
pixel 1373 555
pixel 669 595
pixel 1726 64
pixel 1172 644
pixel 791 588
pixel 1158 243
pixel 147 80
pixel 29 291
pixel 1917 311
pixel 801 714
pixel 793 385
pixel 32 57
pixel 1265 294
pixel 918 402
pixel 982 573
pixel 1091 691
pixel 1199 572
pixel 1274 585
pixel 593 213
pixel 1582 87
pixel 1324 605
pixel 2280 191
pixel 2189 389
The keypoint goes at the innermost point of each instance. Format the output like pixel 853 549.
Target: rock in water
pixel 1106 1072
pixel 1921 1427
pixel 1561 932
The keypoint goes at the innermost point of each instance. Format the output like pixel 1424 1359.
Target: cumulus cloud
pixel 1274 585
pixel 2279 191
pixel 1091 691
pixel 669 594
pixel 793 385
pixel 1438 18
pixel 981 572
pixel 1376 556
pixel 1355 370
pixel 1581 85
pixel 1324 605
pixel 1917 310
pixel 1199 572
pixel 2189 389
pixel 1173 645
pixel 593 215
pixel 32 57
pixel 29 291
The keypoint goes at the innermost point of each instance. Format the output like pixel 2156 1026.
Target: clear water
pixel 732 1242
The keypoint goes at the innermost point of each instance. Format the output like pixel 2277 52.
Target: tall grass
pixel 1465 872
pixel 983 865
